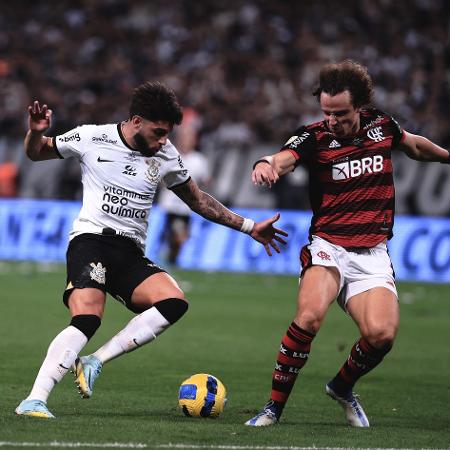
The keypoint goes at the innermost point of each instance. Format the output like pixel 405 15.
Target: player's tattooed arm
pixel 207 206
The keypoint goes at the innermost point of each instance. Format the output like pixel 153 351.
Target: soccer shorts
pixel 359 269
pixel 113 264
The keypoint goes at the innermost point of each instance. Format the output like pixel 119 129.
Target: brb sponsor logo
pixel 357 167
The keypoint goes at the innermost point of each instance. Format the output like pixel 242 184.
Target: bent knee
pixel 381 337
pixel 309 321
pixel 172 308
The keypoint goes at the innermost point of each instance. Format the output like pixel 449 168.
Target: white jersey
pixel 198 167
pixel 119 183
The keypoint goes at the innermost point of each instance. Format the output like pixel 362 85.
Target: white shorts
pixel 359 270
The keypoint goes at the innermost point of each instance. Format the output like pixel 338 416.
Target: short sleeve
pixel 176 173
pixel 397 132
pixel 301 144
pixel 73 143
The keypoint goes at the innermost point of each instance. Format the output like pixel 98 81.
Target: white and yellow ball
pixel 202 395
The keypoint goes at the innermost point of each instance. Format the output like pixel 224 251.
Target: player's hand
pixel 264 175
pixel 265 233
pixel 39 119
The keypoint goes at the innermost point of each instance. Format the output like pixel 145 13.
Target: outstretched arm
pixel 37 146
pixel 211 209
pixel 422 149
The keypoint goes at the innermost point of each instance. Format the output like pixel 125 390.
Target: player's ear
pixel 136 121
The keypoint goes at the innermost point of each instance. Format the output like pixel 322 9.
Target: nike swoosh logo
pixel 103 160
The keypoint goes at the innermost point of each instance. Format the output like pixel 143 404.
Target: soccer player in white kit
pixel 121 166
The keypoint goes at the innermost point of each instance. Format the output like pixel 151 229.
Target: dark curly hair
pixel 346 75
pixel 154 101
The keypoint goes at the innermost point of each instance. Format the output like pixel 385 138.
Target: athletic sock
pixel 293 354
pixel 362 359
pixel 141 330
pixel 61 354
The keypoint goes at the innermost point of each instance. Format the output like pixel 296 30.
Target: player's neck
pixel 127 133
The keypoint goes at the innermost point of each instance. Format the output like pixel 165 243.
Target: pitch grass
pixel 232 330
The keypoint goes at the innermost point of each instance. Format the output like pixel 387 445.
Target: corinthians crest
pixel 153 174
pixel 98 273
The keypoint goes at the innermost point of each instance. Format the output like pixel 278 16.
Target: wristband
pixel 261 161
pixel 247 226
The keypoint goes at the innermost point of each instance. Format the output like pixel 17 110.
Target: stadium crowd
pixel 247 68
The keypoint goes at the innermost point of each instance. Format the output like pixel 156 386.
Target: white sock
pixel 140 330
pixel 61 354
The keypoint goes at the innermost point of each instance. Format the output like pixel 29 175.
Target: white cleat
pixel 267 417
pixel 86 370
pixel 354 412
pixel 34 408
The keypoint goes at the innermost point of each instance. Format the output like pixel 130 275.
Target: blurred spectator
pixel 247 63
pixel 176 229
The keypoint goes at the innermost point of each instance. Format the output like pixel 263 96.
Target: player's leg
pixel 162 304
pixel 86 307
pixel 370 297
pixel 319 286
pixel 85 297
pixel 159 302
pixel 376 313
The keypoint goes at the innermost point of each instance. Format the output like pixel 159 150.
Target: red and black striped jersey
pixel 351 186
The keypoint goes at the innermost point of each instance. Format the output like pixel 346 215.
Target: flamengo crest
pixel 376 134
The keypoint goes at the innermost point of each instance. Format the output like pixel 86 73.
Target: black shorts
pixel 113 264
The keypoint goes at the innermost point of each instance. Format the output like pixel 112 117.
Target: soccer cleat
pixel 268 416
pixel 86 370
pixel 34 408
pixel 353 409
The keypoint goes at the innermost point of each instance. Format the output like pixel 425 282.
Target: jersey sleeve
pixel 301 144
pixel 176 173
pixel 397 132
pixel 73 143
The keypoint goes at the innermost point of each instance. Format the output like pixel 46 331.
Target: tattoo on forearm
pixel 208 207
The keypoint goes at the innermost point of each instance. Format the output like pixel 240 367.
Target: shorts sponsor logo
pixel 324 256
pixel 357 167
pixel 98 273
pixel 376 134
pixel 70 137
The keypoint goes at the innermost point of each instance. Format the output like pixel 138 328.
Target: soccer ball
pixel 202 395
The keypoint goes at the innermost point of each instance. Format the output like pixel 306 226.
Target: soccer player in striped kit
pixel 348 155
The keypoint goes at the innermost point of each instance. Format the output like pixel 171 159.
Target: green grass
pixel 232 330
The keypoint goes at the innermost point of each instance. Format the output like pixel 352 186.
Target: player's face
pixel 341 116
pixel 150 136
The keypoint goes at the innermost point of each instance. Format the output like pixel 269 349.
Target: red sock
pixel 362 359
pixel 293 354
